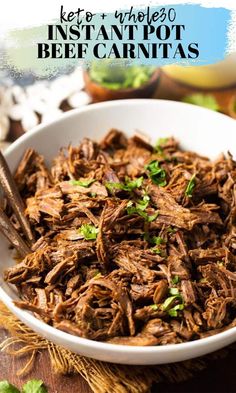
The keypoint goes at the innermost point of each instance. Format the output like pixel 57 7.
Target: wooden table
pixel 219 377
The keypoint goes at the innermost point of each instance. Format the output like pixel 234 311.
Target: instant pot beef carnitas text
pixel 135 243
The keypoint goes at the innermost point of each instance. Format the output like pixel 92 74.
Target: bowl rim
pixel 97 105
pixel 45 329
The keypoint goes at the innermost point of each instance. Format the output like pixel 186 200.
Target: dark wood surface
pixel 220 375
pixel 9 367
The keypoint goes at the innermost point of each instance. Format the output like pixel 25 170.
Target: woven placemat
pixel 102 377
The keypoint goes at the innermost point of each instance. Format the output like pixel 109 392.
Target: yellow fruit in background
pixel 218 75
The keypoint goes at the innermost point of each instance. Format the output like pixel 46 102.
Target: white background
pixel 22 13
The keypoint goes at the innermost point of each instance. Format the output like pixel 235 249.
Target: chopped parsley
pixel 154 307
pixel 205 100
pixel 158 251
pixel 190 186
pixel 175 279
pixel 82 183
pixel 174 291
pixel 142 204
pixel 135 210
pixel 167 305
pixel 139 208
pixel 116 75
pixel 98 275
pixel 34 386
pixel 156 173
pixel 89 232
pixel 157 240
pixel 159 144
pixel 171 230
pixel 173 312
pixel 169 301
pixel 128 185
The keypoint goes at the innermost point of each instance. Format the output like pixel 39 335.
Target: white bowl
pixel 201 130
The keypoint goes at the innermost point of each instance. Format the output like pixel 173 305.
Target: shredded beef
pixel 135 244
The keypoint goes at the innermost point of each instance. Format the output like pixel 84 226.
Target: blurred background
pixel 26 101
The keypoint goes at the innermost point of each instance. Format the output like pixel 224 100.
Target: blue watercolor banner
pixel 206 28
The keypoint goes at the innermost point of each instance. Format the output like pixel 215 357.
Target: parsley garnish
pixel 158 251
pixel 174 291
pixel 33 386
pixel 98 275
pixel 128 185
pixel 169 301
pixel 134 210
pixel 167 305
pixel 157 240
pixel 160 143
pixel 175 279
pixel 118 75
pixel 89 231
pixel 6 387
pixel 82 183
pixel 154 307
pixel 156 173
pixel 190 186
pixel 171 230
pixel 142 204
pixel 173 312
pixel 140 211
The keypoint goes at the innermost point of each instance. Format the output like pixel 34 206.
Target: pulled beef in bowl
pixel 135 243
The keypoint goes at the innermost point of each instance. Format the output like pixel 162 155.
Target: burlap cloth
pixel 102 377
